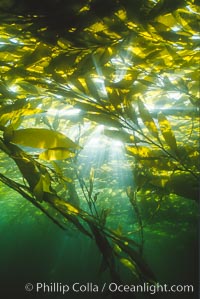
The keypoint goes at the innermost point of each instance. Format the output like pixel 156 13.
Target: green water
pixel 34 250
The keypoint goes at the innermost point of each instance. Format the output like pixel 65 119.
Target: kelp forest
pixel 99 140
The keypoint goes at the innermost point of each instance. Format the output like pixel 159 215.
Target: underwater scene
pixel 99 149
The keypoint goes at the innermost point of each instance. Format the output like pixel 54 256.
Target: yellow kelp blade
pixel 130 265
pixel 91 181
pixel 67 210
pixel 13 113
pixel 140 152
pixel 39 138
pixel 56 154
pixel 147 119
pixel 167 132
pixel 65 206
pixel 41 51
pixel 136 262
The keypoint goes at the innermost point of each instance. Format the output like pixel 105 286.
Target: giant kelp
pixel 130 67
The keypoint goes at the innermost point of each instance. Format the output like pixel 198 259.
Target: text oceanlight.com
pixel 58 287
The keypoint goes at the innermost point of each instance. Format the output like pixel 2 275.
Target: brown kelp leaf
pixel 27 165
pixel 106 250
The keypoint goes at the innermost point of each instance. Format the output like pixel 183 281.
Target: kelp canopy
pixel 98 110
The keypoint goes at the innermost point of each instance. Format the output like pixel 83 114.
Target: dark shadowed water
pixel 34 250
